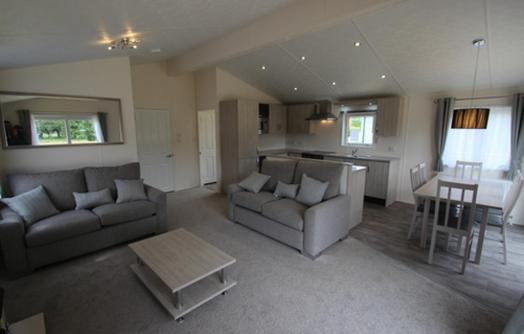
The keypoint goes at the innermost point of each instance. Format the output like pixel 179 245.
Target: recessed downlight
pixel 357 44
pixel 263 68
pixel 295 89
pixel 383 76
pixel 333 83
pixel 303 58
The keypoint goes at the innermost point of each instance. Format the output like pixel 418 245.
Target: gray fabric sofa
pixel 75 232
pixel 308 229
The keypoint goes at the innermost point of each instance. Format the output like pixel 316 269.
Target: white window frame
pixel 343 141
pixel 67 118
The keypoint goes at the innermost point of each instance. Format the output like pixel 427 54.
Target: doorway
pixel 155 150
pixel 207 146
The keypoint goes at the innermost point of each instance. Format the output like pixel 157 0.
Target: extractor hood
pixel 323 112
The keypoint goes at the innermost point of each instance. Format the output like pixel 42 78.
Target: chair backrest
pixel 455 194
pixel 513 194
pixel 468 170
pixel 423 171
pixel 417 179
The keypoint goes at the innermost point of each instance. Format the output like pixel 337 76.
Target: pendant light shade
pixel 470 118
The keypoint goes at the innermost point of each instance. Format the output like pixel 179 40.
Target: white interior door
pixel 207 146
pixel 155 153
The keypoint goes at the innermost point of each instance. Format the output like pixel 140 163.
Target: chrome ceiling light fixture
pixel 124 43
pixel 472 117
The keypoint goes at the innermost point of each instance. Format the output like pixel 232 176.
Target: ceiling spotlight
pixel 333 83
pixel 295 89
pixel 357 44
pixel 263 68
pixel 303 58
pixel 383 76
pixel 124 43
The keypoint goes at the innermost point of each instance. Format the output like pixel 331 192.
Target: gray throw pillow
pixel 92 199
pixel 284 190
pixel 33 205
pixel 130 190
pixel 254 182
pixel 311 191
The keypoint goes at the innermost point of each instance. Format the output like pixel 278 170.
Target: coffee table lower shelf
pixel 194 295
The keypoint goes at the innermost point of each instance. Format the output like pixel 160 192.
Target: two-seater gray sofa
pixel 75 232
pixel 308 229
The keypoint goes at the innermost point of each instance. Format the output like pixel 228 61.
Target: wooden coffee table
pixel 181 270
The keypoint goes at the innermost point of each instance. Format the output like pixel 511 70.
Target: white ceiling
pixel 422 46
pixel 53 31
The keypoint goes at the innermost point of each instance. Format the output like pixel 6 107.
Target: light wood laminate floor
pixel 496 286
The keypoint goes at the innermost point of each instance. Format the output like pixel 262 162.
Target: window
pixel 358 129
pixel 66 129
pixel 491 146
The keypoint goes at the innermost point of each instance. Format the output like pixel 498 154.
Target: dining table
pixel 490 195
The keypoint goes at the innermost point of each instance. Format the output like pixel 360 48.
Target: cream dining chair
pixel 455 222
pixel 418 175
pixel 502 219
pixel 470 170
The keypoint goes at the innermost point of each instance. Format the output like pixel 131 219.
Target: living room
pixel 277 145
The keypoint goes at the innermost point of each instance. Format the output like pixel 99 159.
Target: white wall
pixel 154 89
pixel 99 78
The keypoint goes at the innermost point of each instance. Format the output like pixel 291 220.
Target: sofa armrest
pixel 12 241
pixel 160 199
pixel 231 190
pixel 326 223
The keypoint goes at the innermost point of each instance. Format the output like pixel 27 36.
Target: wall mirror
pixel 39 120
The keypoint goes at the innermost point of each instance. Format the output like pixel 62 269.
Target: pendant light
pixel 472 118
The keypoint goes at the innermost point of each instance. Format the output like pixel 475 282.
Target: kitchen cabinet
pixel 277 119
pixel 381 178
pixel 239 124
pixel 388 112
pixel 297 115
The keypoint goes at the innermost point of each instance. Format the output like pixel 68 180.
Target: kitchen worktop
pixel 329 154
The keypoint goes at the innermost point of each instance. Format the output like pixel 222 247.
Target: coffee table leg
pixel 222 275
pixel 178 300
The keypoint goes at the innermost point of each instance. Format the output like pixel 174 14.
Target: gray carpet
pixel 351 288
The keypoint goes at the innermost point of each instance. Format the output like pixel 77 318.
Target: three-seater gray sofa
pixel 308 229
pixel 75 232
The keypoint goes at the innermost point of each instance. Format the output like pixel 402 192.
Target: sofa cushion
pixel 58 185
pixel 284 190
pixel 311 190
pixel 98 178
pixel 287 212
pixel 112 214
pixel 130 190
pixel 254 182
pixel 33 205
pixel 61 226
pixel 251 200
pixel 322 171
pixel 280 170
pixel 92 199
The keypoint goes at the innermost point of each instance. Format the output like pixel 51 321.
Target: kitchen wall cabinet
pixel 277 119
pixel 297 115
pixel 238 140
pixel 388 112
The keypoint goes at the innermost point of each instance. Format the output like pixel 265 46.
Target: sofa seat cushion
pixel 112 214
pixel 62 226
pixel 287 212
pixel 253 201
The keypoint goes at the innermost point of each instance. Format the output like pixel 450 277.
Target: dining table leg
pixel 482 233
pixel 424 230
